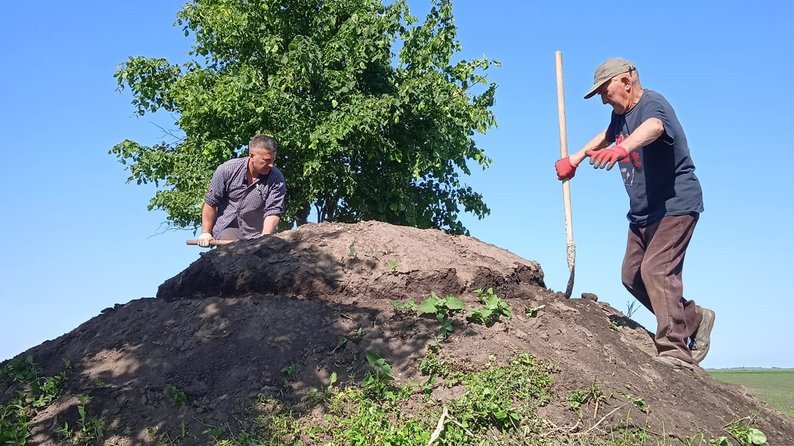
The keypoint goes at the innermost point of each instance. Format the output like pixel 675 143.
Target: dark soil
pixel 225 330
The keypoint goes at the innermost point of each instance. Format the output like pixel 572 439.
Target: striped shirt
pixel 244 205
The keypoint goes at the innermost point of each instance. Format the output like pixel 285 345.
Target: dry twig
pixel 439 427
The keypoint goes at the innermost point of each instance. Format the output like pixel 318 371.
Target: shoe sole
pixel 675 363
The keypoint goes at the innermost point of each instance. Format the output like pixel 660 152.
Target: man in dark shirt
pixel 246 196
pixel 665 199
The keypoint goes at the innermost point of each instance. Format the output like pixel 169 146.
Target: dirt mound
pixel 277 316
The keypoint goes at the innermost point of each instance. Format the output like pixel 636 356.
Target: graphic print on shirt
pixel 629 167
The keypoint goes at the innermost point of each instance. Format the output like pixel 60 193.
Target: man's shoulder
pixel 654 96
pixel 276 175
pixel 234 162
pixel 231 166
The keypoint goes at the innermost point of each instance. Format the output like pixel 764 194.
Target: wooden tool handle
pixel 561 106
pixel 212 242
pixel 566 187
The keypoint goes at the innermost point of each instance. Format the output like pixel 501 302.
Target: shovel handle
pixel 212 242
pixel 561 105
pixel 566 187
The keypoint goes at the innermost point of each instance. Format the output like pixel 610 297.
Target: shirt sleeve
pixel 275 200
pixel 217 189
pixel 657 109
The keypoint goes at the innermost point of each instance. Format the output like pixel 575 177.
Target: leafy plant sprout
pixel 443 308
pixel 492 310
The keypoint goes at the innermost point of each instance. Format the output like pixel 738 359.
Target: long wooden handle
pixel 561 107
pixel 212 242
pixel 566 187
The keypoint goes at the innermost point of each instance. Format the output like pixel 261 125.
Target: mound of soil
pixel 265 317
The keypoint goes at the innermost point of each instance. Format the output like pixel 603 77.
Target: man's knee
pixel 653 278
pixel 631 278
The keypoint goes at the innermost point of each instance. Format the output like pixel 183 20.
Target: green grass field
pixel 775 386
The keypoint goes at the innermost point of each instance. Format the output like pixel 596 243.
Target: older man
pixel 246 196
pixel 665 199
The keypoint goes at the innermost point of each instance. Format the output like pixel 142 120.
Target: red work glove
pixel 607 157
pixel 565 170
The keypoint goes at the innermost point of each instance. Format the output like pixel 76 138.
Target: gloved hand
pixel 204 239
pixel 607 157
pixel 565 169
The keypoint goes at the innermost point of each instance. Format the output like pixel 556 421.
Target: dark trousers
pixel 230 234
pixel 652 270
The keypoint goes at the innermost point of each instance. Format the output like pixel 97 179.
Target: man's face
pixel 615 94
pixel 261 160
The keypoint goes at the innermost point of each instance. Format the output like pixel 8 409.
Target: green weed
pixel 533 311
pixel 341 341
pixel 35 392
pixel 177 395
pixel 379 365
pixel 631 308
pixel 443 308
pixel 492 310
pixel 89 430
pixel 407 306
pixel 744 433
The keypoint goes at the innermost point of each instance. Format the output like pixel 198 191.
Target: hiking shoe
pixel 675 363
pixel 701 340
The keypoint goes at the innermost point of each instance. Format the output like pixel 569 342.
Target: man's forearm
pixel 599 141
pixel 270 224
pixel 208 214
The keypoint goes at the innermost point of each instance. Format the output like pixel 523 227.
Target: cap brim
pixel 594 90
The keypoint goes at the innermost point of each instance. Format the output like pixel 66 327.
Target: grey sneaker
pixel 675 363
pixel 701 340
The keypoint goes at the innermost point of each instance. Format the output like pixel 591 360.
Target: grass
pixel 496 405
pixel 775 386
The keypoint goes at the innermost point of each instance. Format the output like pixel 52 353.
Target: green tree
pixel 374 118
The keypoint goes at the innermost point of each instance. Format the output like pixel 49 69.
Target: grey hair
pixel 263 142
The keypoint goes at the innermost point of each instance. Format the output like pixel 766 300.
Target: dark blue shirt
pixel 660 177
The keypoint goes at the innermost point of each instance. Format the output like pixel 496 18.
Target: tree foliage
pixel 374 118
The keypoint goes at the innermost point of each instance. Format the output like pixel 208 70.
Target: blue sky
pixel 78 239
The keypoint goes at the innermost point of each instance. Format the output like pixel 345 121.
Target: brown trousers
pixel 230 234
pixel 652 270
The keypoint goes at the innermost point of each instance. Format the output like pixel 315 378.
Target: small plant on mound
pixel 35 393
pixel 492 310
pixel 407 306
pixel 379 365
pixel 443 308
pixel 89 430
pixel 533 311
pixel 177 395
pixel 743 431
pixel 578 398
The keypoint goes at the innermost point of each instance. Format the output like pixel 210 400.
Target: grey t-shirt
pixel 660 177
pixel 241 204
